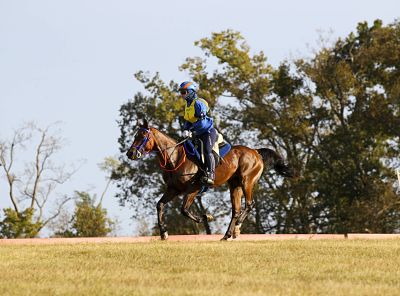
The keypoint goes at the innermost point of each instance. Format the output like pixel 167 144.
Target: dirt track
pixel 214 237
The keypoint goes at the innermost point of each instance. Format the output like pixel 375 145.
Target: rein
pixel 164 155
pixel 164 166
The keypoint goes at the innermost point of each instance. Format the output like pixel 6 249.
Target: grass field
pixel 290 267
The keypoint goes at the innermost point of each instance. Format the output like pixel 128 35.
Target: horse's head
pixel 143 143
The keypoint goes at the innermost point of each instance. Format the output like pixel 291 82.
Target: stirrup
pixel 210 181
pixel 207 180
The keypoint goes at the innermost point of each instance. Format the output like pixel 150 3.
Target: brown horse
pixel 241 169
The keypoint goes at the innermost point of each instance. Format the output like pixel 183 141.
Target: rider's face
pixel 183 92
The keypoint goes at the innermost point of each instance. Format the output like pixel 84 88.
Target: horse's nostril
pixel 129 154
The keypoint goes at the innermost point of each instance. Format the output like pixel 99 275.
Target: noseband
pixel 139 148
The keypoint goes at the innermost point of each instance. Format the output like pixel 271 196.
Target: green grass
pixel 294 267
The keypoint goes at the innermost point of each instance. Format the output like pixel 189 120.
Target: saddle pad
pixel 219 149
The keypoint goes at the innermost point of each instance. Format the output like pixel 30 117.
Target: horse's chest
pixel 176 180
pixel 171 179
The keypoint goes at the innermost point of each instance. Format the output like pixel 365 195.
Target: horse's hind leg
pixel 236 196
pixel 248 184
pixel 169 195
pixel 242 216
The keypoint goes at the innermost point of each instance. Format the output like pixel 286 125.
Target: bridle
pixel 140 151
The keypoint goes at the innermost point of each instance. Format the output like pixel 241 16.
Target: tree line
pixel 335 116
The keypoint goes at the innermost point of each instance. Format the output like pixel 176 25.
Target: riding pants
pixel 209 138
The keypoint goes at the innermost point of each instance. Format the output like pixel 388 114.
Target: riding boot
pixel 210 163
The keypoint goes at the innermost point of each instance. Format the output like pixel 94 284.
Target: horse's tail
pixel 274 159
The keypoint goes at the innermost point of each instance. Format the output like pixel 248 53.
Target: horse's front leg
pixel 187 202
pixel 169 195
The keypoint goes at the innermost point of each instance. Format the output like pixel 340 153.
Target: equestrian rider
pixel 199 125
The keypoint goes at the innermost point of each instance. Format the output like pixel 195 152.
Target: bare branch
pixel 104 192
pixel 7 170
pixel 58 211
pixel 38 168
pixel 109 165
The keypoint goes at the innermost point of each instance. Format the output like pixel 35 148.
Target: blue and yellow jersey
pixel 197 109
pixel 196 116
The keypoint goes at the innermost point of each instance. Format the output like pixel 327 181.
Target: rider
pixel 199 125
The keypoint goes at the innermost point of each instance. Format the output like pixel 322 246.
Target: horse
pixel 241 169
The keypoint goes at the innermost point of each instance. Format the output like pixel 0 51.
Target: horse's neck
pixel 166 146
pixel 163 141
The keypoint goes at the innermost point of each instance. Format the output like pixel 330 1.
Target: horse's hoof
pixel 209 217
pixel 164 236
pixel 236 231
pixel 225 238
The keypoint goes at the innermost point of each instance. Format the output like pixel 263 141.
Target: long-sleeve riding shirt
pixel 196 118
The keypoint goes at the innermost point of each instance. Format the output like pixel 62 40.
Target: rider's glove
pixel 187 134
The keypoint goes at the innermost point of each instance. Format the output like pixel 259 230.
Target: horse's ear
pixel 145 123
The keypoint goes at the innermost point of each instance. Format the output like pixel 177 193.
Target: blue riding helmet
pixel 188 90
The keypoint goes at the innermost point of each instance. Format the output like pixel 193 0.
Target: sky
pixel 74 61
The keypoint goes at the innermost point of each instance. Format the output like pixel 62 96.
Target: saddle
pixel 195 150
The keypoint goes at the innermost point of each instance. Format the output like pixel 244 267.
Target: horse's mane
pixel 165 135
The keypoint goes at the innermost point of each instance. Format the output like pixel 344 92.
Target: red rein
pixel 163 166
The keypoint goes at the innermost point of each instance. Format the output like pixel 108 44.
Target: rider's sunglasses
pixel 183 91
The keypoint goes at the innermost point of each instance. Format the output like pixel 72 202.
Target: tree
pixel 358 87
pixel 19 224
pixel 31 190
pixel 88 219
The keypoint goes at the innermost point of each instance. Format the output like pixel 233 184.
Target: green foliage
pixel 335 117
pixel 19 225
pixel 356 83
pixel 89 220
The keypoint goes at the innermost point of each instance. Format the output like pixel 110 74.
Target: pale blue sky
pixel 74 60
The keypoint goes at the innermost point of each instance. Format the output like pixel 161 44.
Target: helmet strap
pixel 191 96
